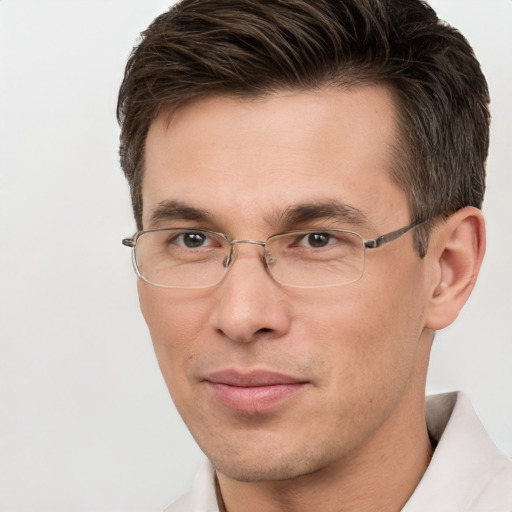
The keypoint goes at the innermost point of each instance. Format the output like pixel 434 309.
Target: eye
pixel 316 240
pixel 193 240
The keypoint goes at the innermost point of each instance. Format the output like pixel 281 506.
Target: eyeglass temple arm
pixel 389 237
pixel 129 242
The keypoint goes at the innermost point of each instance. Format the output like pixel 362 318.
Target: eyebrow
pixel 176 210
pixel 292 216
pixel 322 210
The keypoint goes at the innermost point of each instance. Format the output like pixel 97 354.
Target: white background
pixel 85 421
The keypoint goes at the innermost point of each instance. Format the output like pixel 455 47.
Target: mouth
pixel 253 392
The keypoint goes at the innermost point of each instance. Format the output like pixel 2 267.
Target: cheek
pixel 176 321
pixel 368 335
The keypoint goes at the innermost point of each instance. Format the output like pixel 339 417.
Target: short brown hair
pixel 256 47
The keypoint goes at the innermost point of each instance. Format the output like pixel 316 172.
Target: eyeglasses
pixel 199 258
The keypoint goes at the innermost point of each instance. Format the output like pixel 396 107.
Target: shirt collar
pixel 464 461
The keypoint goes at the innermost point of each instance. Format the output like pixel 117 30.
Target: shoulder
pixel 496 493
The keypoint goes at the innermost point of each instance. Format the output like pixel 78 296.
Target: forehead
pixel 244 158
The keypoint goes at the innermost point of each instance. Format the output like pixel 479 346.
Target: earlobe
pixel 456 249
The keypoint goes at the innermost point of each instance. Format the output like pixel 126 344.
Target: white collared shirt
pixel 466 473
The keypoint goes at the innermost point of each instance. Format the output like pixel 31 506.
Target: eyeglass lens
pixel 178 258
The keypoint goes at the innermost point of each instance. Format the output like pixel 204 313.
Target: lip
pixel 253 392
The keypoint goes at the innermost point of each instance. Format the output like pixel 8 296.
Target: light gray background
pixel 86 423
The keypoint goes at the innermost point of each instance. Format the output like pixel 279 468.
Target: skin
pixel 354 436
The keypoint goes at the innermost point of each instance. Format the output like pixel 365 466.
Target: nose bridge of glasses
pixel 253 242
pixel 232 254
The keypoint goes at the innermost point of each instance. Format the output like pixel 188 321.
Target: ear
pixel 456 250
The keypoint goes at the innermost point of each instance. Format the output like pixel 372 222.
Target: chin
pixel 258 474
pixel 266 467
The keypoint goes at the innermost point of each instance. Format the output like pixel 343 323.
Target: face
pixel 276 382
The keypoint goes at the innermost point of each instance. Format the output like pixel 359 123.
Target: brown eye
pixel 193 240
pixel 317 240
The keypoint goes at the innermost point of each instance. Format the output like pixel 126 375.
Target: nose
pixel 250 305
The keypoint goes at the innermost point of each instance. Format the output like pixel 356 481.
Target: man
pixel 307 180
